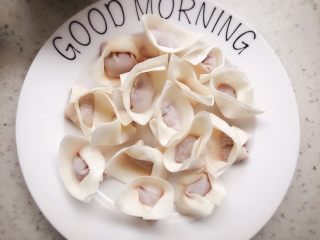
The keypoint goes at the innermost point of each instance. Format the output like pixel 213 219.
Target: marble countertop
pixel 291 27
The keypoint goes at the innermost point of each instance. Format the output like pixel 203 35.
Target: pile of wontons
pixel 154 111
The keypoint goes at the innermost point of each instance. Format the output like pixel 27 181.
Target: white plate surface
pixel 254 189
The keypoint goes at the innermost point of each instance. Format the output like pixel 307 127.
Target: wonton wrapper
pixel 116 99
pixel 240 106
pixel 155 68
pixel 183 107
pixel 70 146
pixel 193 204
pixel 146 48
pixel 129 203
pixel 182 73
pixel 201 128
pixel 136 161
pixel 183 38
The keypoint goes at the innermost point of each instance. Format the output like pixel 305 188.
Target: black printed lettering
pixel 69 48
pixel 207 15
pixel 217 20
pixel 71 30
pixel 98 13
pixel 244 44
pixel 184 10
pixel 117 22
pixel 203 11
pixel 160 12
pixel 139 10
pixel 227 23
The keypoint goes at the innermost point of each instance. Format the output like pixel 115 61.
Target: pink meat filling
pixel 184 149
pixel 226 147
pixel 80 167
pixel 170 116
pixel 142 94
pixel 201 187
pixel 227 89
pixel 210 63
pixel 149 195
pixel 117 63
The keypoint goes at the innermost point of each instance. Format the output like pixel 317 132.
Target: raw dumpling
pixel 136 161
pixel 167 37
pixel 118 55
pixel 142 87
pixel 205 58
pixel 83 106
pixel 148 197
pixel 233 94
pixel 173 114
pixel 197 193
pixel 223 147
pixel 81 167
pixel 86 105
pixel 186 149
pixel 97 116
pixel 183 74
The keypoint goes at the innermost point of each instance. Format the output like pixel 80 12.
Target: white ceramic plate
pixel 254 189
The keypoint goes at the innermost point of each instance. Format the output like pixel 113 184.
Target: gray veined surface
pixel 291 27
